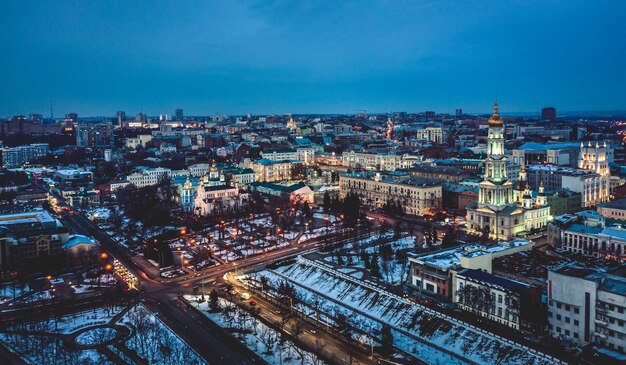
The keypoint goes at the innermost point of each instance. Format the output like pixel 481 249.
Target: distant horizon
pixel 130 115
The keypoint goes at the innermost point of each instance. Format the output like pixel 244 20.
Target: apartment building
pixel 29 235
pixel 271 171
pixel 614 210
pixel 587 305
pixel 377 161
pixel 435 272
pixel 416 197
pixel 18 156
pixel 302 154
pixel 148 176
pixel 508 302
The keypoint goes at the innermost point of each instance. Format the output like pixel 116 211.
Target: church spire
pixel 495 120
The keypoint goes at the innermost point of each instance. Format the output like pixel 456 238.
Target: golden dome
pixel 495 120
pixel 213 169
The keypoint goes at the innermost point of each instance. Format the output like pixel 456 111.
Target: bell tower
pixel 495 190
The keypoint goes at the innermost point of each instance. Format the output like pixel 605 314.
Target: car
pixel 245 296
pixel 253 302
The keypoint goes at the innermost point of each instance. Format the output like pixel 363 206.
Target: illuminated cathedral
pixel 503 209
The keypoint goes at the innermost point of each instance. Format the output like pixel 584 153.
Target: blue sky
pixel 260 57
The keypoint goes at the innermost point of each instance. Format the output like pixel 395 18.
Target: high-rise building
pixel 73 117
pixel 141 117
pixel 548 114
pixel 35 117
pixel 94 135
pixel 179 114
pixel 120 117
pixel 458 112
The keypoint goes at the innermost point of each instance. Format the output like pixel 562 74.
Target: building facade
pixel 94 135
pixel 272 171
pixel 588 306
pixel 18 156
pixel 214 196
pixel 432 134
pixel 511 303
pixel 375 161
pixel 416 197
pixel 147 177
pixel 613 210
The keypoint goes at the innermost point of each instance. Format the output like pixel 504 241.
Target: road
pixel 162 295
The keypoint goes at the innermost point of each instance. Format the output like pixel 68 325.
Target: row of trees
pixel 349 207
pixel 480 300
pixel 393 207
pixel 151 205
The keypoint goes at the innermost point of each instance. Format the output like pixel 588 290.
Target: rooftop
pixel 574 269
pixel 615 204
pixel 493 280
pixel 34 216
pixel 581 228
pixel 285 188
pixel 614 284
pixel 614 232
pixel 547 146
pixel 393 177
pixel 451 258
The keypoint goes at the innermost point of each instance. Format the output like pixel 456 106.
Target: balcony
pixel 601 321
pixel 601 309
pixel 600 335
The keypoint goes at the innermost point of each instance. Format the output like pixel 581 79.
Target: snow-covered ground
pixel 41 349
pixel 40 343
pixel 155 341
pixel 417 330
pixel 322 231
pixel 11 291
pixel 101 213
pixel 392 271
pixel 73 322
pixel 263 340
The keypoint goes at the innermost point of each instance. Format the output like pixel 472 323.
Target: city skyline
pixel 296 58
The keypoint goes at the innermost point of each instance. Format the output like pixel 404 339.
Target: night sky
pixel 97 57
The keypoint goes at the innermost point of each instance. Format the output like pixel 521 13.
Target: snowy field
pixel 417 330
pixel 263 340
